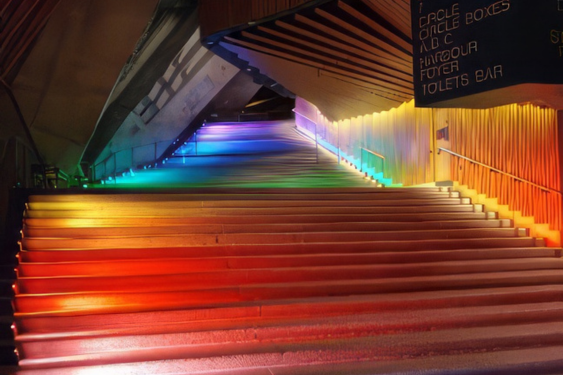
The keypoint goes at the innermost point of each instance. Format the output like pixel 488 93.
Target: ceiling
pixel 76 69
pixel 359 48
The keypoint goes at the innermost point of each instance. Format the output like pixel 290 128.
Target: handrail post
pixel 338 140
pixel 316 144
pixel 115 167
pixel 17 161
pixel 155 153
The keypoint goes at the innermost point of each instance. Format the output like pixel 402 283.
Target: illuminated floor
pixel 255 155
pixel 282 281
pixel 274 264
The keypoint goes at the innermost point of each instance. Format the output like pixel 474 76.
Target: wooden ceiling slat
pixel 14 22
pixel 366 36
pixel 393 18
pixel 361 85
pixel 392 81
pixel 375 26
pixel 353 41
pixel 406 5
pixel 346 47
pixel 405 94
pixel 342 56
pixel 403 12
pixel 33 27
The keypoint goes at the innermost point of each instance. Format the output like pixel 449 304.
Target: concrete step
pixel 45 243
pixel 185 212
pixel 520 300
pixel 334 328
pixel 214 193
pixel 179 296
pixel 326 348
pixel 195 278
pixel 545 360
pixel 96 232
pixel 114 253
pixel 250 220
pixel 110 206
pixel 183 265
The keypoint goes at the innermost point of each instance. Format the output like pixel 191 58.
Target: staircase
pixel 283 281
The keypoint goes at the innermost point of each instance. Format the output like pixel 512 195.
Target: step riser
pixel 332 331
pixel 312 308
pixel 174 212
pixel 226 277
pixel 259 238
pixel 382 348
pixel 247 220
pixel 220 194
pixel 546 361
pixel 183 297
pixel 271 228
pixel 359 322
pixel 178 265
pixel 109 253
pixel 127 206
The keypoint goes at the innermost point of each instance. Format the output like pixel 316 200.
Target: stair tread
pixel 255 219
pixel 186 265
pixel 214 193
pixel 418 344
pixel 129 252
pixel 183 212
pixel 184 296
pixel 376 322
pixel 93 232
pixel 541 361
pixel 46 243
pixel 389 200
pixel 433 268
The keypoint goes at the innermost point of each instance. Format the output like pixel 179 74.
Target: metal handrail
pixel 114 156
pixel 374 154
pixel 498 171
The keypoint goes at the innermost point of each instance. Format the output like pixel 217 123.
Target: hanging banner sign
pixel 467 47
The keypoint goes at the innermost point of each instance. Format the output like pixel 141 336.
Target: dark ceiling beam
pixel 386 80
pixel 392 60
pixel 19 29
pixel 375 26
pixel 340 55
pixel 393 13
pixel 346 47
pixel 366 36
pixel 174 22
pixel 383 91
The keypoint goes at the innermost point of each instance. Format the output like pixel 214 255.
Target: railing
pixel 498 171
pixel 25 168
pixel 362 150
pixel 152 161
pixel 112 172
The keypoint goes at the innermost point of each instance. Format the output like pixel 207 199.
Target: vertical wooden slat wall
pixel 402 135
pixel 517 139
